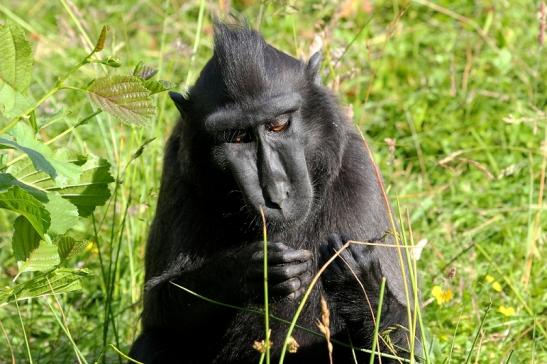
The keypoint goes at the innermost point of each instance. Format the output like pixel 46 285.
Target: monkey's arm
pixel 353 284
pixel 233 276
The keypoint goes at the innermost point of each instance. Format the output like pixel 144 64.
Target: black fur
pixel 206 233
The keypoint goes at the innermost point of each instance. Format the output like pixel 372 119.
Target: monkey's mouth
pixel 291 212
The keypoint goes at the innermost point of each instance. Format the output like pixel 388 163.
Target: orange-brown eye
pixel 278 125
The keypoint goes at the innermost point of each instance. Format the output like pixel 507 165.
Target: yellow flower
pixel 506 311
pixel 441 296
pixel 496 286
pixel 91 247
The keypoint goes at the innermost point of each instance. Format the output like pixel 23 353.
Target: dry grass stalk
pixel 324 325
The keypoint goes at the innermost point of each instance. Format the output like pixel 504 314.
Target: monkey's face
pixel 261 145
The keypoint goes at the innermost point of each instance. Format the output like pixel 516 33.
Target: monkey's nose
pixel 276 194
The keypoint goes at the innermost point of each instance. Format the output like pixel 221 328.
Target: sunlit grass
pixel 457 88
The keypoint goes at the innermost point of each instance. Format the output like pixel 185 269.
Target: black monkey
pixel 258 131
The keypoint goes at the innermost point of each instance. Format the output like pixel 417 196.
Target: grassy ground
pixel 451 95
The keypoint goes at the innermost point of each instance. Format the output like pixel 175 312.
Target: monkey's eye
pixel 237 136
pixel 278 125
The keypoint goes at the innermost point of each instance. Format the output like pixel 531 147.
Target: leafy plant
pixel 50 191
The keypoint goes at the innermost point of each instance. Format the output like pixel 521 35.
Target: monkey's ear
pixel 182 104
pixel 312 69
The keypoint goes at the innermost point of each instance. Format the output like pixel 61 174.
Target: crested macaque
pixel 259 133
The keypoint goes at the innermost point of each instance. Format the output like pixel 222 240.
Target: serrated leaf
pixel 25 239
pixel 7 180
pixel 91 191
pixel 64 215
pixel 43 258
pixel 12 102
pixel 158 86
pixel 143 71
pixel 20 201
pixel 55 282
pixel 67 246
pixel 93 188
pixel 124 97
pixel 99 46
pixel 16 59
pixel 41 156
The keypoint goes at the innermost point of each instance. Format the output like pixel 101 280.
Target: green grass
pixel 459 86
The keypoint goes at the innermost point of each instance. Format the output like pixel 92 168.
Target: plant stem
pixel 378 318
pixel 266 308
pixel 196 42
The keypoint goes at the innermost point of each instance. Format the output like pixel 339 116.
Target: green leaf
pixel 45 284
pixel 67 246
pixel 41 156
pixel 12 102
pixel 41 259
pixel 124 97
pixel 33 121
pixel 91 191
pixel 143 71
pixel 111 62
pixel 99 46
pixel 158 86
pixel 25 239
pixel 16 59
pixel 64 215
pixel 20 201
pixel 7 180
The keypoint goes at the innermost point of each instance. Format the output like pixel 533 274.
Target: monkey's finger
pixel 297 294
pixel 362 255
pixel 277 246
pixel 326 254
pixel 287 271
pixel 285 288
pixel 337 243
pixel 306 277
pixel 286 256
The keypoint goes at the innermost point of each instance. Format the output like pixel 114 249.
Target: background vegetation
pixel 451 95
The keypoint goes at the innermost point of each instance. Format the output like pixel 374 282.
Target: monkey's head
pixel 267 123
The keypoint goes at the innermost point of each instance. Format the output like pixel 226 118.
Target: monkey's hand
pixel 356 263
pixel 352 282
pixel 289 270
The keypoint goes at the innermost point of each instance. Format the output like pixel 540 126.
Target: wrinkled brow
pixel 241 116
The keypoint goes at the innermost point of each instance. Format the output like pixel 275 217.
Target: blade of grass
pixel 196 43
pixel 483 319
pixel 64 327
pixel 4 332
pixel 124 356
pixel 266 305
pixel 24 332
pixel 378 318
